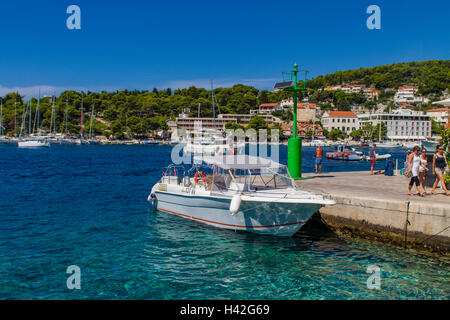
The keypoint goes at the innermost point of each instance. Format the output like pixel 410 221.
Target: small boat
pixel 34 143
pixel 238 192
pixel 313 143
pixel 4 140
pixel 379 157
pixel 67 141
pixel 151 142
pixel 386 145
pixel 411 145
pixel 208 142
pixel 344 152
pixel 80 141
pixel 93 141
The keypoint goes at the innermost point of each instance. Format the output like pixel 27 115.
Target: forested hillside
pixel 431 76
pixel 139 113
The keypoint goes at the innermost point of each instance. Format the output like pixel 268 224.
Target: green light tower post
pixel 295 142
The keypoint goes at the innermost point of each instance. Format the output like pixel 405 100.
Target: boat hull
pixel 269 218
pixel 33 144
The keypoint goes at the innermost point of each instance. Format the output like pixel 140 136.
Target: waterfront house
pixel 401 124
pixel 440 115
pixel 266 108
pixel 407 94
pixel 302 129
pixel 306 111
pixel 346 121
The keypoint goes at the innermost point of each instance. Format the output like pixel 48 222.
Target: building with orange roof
pixel 440 115
pixel 356 87
pixel 346 121
pixel 302 129
pixel 266 108
pixel 306 111
pixel 408 94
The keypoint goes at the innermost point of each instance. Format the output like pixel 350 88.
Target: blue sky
pixel 144 44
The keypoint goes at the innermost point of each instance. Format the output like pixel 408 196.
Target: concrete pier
pixel 377 207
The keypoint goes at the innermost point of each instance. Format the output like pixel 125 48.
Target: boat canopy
pixel 240 162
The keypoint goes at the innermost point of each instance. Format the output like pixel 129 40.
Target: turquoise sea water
pixel 86 206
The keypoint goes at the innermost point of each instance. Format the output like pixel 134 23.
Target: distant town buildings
pixel 346 121
pixel 302 129
pixel 306 111
pixel 245 118
pixel 401 124
pixel 189 123
pixel 370 93
pixel 404 123
pixel 440 115
pixel 266 108
pixel 407 94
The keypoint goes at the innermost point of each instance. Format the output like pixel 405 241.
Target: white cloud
pixel 219 83
pixel 29 91
pixel 33 91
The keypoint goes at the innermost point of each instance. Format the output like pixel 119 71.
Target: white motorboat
pixel 239 192
pixel 386 145
pixel 314 143
pixel 344 152
pixel 80 141
pixel 379 157
pixel 67 141
pixel 93 141
pixel 34 143
pixel 208 142
pixel 411 145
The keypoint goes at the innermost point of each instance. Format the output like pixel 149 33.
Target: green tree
pixel 356 134
pixel 233 126
pixel 257 123
pixel 376 134
pixel 335 134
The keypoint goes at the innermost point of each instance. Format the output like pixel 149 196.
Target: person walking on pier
pixel 414 162
pixel 373 158
pixel 439 164
pixel 318 158
pixel 423 169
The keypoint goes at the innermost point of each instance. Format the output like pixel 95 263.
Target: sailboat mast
pixel 37 111
pixel 51 118
pixel 379 129
pixel 81 118
pixel 29 122
pixel 418 137
pixel 214 109
pixel 54 114
pixel 24 118
pixel 92 117
pixel 15 132
pixel 1 117
pixel 67 110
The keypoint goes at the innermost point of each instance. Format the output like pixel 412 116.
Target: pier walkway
pixel 377 207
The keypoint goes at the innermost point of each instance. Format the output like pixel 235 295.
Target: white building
pixel 407 94
pixel 400 124
pixel 289 103
pixel 346 121
pixel 369 93
pixel 266 108
pixel 440 115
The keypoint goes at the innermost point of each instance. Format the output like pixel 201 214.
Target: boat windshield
pixel 249 180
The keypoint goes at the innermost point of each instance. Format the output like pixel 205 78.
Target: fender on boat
pixel 235 204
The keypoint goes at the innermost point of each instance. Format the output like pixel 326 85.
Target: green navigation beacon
pixel 290 83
